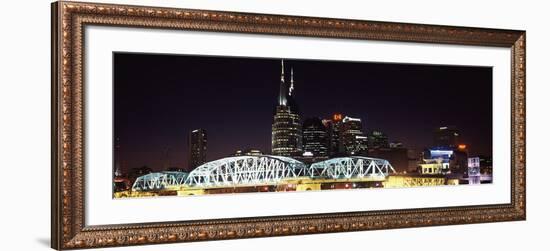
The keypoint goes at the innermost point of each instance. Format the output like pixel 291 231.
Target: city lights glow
pixel 311 147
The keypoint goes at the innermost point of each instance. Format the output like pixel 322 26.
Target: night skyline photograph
pixel 176 116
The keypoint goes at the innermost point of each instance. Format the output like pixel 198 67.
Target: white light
pixel 346 119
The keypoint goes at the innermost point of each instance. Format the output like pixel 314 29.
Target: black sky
pixel 160 98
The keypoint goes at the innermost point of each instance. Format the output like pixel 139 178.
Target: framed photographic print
pixel 176 125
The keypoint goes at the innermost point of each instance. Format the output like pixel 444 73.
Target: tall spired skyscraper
pixel 286 130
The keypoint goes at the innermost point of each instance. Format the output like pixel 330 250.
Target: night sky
pixel 160 98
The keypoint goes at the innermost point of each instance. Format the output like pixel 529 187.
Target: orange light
pixel 461 147
pixel 337 117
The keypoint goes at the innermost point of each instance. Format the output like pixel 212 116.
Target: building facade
pixel 197 148
pixel 315 138
pixel 436 167
pixel 377 139
pixel 446 136
pixel 352 139
pixel 333 126
pixel 248 152
pixel 286 130
pixel 456 158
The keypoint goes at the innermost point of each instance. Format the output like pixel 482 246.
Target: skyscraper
pixel 378 139
pixel 333 126
pixel 197 148
pixel 286 130
pixel 352 140
pixel 446 136
pixel 315 138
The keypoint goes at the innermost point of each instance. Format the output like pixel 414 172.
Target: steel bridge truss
pixel 263 170
pixel 245 170
pixel 351 167
pixel 159 181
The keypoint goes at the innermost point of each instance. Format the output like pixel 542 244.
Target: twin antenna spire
pixel 291 82
pixel 291 88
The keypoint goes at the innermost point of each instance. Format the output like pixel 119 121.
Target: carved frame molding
pixel 68 226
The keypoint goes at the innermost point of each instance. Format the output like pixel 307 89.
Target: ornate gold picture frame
pixel 69 230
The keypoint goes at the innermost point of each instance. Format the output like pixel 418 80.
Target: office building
pixel 352 139
pixel 315 138
pixel 446 136
pixel 286 130
pixel 197 148
pixel 377 139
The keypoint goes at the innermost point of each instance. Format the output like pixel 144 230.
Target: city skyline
pixel 160 98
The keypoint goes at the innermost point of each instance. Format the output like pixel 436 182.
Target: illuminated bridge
pixel 266 170
pixel 159 181
pixel 245 171
pixel 351 167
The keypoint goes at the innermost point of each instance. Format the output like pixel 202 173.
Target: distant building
pixel 248 152
pixel 474 174
pixel 440 156
pixel 315 138
pixel 197 148
pixel 444 153
pixel 396 144
pixel 434 167
pixel 459 164
pixel 485 165
pixel 333 126
pixel 286 130
pixel 121 184
pixel 352 139
pixel 377 139
pixel 447 140
pixel 446 136
pixel 457 158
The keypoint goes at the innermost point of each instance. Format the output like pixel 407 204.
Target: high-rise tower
pixel 197 148
pixel 286 130
pixel 446 136
pixel 315 138
pixel 352 140
pixel 333 126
